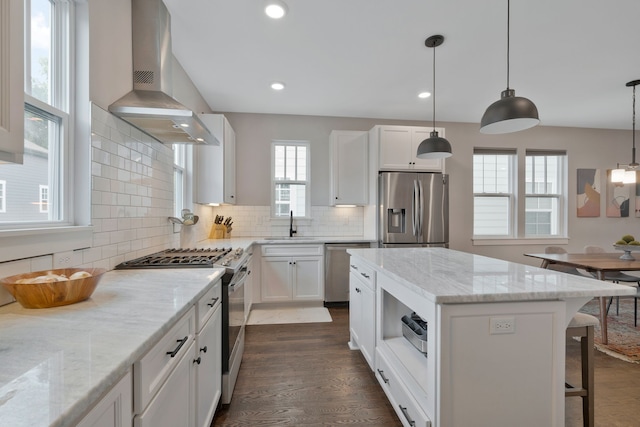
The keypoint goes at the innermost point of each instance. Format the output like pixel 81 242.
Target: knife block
pixel 218 231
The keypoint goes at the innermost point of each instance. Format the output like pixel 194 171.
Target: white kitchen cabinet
pixel 215 165
pixel 349 154
pixel 11 82
pixel 208 359
pixel 164 378
pixel 174 405
pixel 396 148
pixel 114 409
pixel 362 310
pixel 292 272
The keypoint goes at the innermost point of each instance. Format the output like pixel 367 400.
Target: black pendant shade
pixel 434 147
pixel 511 113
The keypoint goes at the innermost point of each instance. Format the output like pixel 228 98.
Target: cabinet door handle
pixel 204 349
pixel 354 267
pixel 404 411
pixel 198 360
pixel 366 276
pixel 406 415
pixel 177 349
pixel 385 379
pixel 215 300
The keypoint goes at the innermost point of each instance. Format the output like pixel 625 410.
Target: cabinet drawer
pixel 150 372
pixel 364 272
pixel 292 250
pixel 407 408
pixel 207 304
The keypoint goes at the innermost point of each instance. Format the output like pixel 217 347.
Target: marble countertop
pixel 57 362
pixel 446 276
pixel 246 242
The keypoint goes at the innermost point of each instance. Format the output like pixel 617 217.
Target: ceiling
pixel 367 58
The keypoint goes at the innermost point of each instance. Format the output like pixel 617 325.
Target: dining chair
pixel 620 278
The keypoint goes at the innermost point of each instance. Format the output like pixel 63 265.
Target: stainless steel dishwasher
pixel 336 271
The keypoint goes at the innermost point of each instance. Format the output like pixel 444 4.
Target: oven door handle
pixel 237 283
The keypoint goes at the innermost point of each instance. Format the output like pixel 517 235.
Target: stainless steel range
pixel 235 262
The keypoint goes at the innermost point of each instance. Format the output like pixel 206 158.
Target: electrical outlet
pixel 67 259
pixel 502 325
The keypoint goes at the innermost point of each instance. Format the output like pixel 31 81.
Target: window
pixel 46 114
pixel 290 178
pixel 44 198
pixel 3 196
pixel 519 203
pixel 544 173
pixel 179 178
pixel 494 192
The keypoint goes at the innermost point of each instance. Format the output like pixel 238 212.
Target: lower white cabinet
pixel 174 405
pixel 208 363
pixel 362 311
pixel 292 272
pixel 164 379
pixel 114 409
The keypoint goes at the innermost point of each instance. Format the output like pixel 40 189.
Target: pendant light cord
pixel 633 130
pixel 434 88
pixel 508 22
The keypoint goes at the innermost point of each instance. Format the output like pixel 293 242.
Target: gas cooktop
pixel 183 258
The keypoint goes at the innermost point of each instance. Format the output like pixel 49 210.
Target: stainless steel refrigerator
pixel 413 209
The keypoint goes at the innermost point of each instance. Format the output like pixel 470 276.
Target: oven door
pixel 236 309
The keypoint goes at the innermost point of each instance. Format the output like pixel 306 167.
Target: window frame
pixel 179 171
pixel 511 194
pixel 519 235
pixel 3 196
pixel 306 182
pixel 560 196
pixel 75 230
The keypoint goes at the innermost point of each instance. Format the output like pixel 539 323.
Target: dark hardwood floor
pixel 305 375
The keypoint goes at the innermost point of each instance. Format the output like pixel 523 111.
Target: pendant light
pixel 434 147
pixel 628 174
pixel 511 113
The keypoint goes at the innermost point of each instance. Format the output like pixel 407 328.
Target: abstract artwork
pixel 588 193
pixel 617 198
pixel 637 195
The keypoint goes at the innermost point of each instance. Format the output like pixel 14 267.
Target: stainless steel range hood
pixel 151 106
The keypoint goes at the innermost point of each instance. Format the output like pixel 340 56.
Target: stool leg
pixel 586 347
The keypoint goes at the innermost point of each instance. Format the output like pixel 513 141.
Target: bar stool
pixel 582 325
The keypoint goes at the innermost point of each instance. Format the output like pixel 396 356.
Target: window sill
pixel 507 241
pixel 27 243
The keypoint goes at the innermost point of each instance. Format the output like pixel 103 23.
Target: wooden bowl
pixel 53 294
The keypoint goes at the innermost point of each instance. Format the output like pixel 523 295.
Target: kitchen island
pixel 57 363
pixel 495 342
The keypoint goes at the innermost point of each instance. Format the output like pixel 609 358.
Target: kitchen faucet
pixel 291 230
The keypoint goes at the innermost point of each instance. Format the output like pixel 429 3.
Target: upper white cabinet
pixel 215 165
pixel 349 152
pixel 11 82
pixel 396 148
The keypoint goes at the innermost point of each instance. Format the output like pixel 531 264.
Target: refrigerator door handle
pixel 420 210
pixel 415 209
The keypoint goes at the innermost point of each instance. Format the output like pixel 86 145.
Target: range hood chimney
pixel 150 106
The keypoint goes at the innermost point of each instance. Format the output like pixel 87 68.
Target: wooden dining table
pixel 598 263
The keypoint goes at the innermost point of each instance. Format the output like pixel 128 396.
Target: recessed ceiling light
pixel 277 86
pixel 275 9
pixel 423 95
